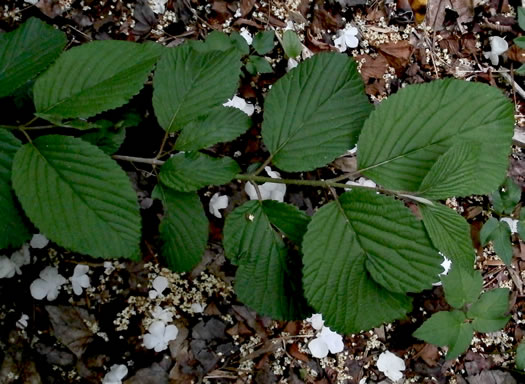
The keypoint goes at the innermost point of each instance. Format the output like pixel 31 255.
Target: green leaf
pixel 221 125
pixel 263 42
pixel 288 219
pixel 217 41
pixel 268 278
pixel 291 44
pixel 26 51
pixel 521 70
pixel 257 64
pixel 499 233
pixel 350 251
pixel 13 232
pixel 520 41
pixel 453 173
pixel 106 138
pixel 399 253
pixel 312 116
pixel 183 229
pixel 449 232
pixel 187 84
pixel 240 43
pixel 78 196
pixel 521 18
pixel 191 171
pixel 520 356
pixel 462 286
pixel 488 313
pixel 506 197
pixel 80 124
pixel 94 77
pixel 407 134
pixel 447 329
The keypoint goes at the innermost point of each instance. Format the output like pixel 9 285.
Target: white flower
pixel 108 267
pixel 38 241
pixel 80 279
pixel 240 103
pixel 317 321
pixel 269 191
pixel 362 381
pixel 21 257
pixel 48 284
pixel 346 38
pixel 7 267
pixel 513 224
pixel 163 315
pixel 157 6
pixel 246 35
pixel 159 336
pixel 391 365
pixel 361 181
pixel 498 46
pixel 115 375
pixel 198 307
pixel 326 340
pixel 217 202
pixel 22 322
pixel 159 284
pixel 292 63
pixel 31 1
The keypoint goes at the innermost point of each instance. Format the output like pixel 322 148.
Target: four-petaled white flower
pixel 159 336
pixel 115 375
pixel 269 191
pixel 160 283
pixel 80 279
pixel 240 103
pixel 38 241
pixel 346 38
pixel 163 315
pixel 326 340
pixel 48 284
pixel 218 202
pixel 246 35
pixel 391 365
pixel 10 266
pixel 498 46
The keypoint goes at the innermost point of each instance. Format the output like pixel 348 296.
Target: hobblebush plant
pixel 355 260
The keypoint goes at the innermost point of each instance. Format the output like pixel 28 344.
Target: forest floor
pixel 77 338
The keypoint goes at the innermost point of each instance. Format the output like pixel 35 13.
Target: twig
pixel 138 160
pixel 515 85
pixel 309 183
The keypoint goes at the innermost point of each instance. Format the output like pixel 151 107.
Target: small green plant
pixel 359 255
pixel 504 202
pixel 472 312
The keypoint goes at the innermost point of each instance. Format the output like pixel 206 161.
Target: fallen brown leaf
pixel 397 54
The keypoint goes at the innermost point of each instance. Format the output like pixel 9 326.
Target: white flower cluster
pixel 160 332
